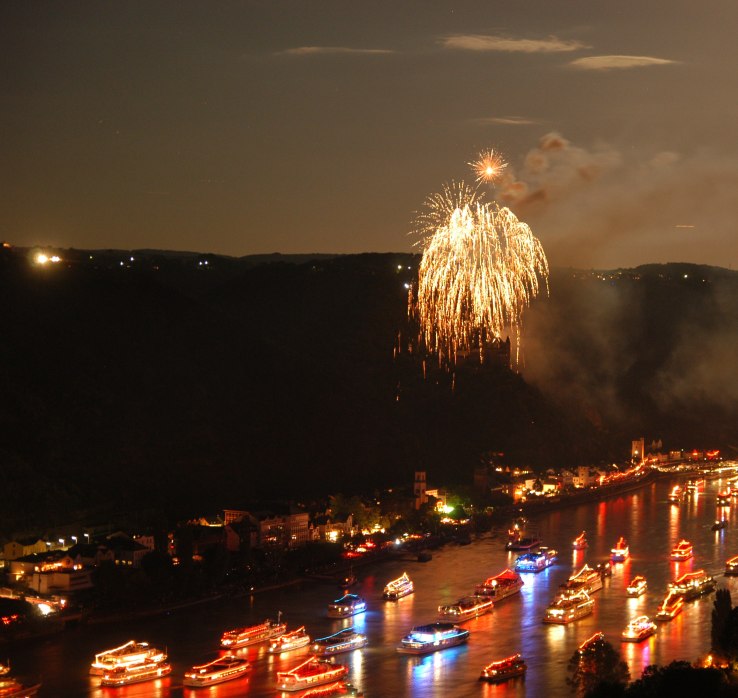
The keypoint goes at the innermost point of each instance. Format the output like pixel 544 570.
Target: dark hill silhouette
pixel 162 383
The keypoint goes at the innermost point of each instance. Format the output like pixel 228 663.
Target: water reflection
pixel 651 525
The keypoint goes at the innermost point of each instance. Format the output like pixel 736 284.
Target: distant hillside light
pixel 41 258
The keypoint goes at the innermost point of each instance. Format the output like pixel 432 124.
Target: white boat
pixel 397 588
pixel 290 641
pixel 587 579
pixel 424 639
pixel 681 552
pixel 222 669
pixel 135 673
pixel 345 640
pixel 312 672
pixel 131 652
pixel 693 584
pixel 569 607
pixel 637 586
pixel 639 629
pixel 347 606
pixel 466 608
pixel 620 552
pixel 252 634
pixel 499 587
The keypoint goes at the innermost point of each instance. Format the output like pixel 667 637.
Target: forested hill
pixel 165 381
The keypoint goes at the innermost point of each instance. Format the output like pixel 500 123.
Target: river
pixel 646 518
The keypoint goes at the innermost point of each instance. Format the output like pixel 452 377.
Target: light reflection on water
pixel 650 524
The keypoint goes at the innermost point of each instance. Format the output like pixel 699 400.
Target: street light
pixel 87 535
pixel 61 542
pixel 74 538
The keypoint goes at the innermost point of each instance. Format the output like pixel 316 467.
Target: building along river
pixel 649 522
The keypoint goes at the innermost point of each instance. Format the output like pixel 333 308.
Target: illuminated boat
pixel 637 586
pixel 569 607
pixel 620 552
pixel 670 607
pixel 527 543
pixel 289 641
pixel 587 579
pixel 424 639
pixel 723 498
pixel 580 542
pixel 397 588
pixel 731 566
pixel 681 551
pixel 719 525
pixel 131 652
pixel 695 485
pixel 590 642
pixel 219 670
pixel 638 629
pixel 535 562
pixel 466 608
pixel 504 669
pixel 693 585
pixel 501 586
pixel 252 635
pixel 333 690
pixel 12 688
pixel 312 672
pixel 348 605
pixel 136 673
pixel 675 496
pixel 604 568
pixel 344 640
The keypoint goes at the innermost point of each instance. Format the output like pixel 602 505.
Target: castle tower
pixel 419 488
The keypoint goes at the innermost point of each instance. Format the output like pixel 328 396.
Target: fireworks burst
pixel 488 166
pixel 438 207
pixel 481 266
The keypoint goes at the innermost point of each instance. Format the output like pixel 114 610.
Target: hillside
pixel 166 383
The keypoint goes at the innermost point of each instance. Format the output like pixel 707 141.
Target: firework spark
pixel 481 266
pixel 488 166
pixel 438 207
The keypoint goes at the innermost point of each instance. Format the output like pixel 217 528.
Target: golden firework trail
pixel 480 269
pixel 488 166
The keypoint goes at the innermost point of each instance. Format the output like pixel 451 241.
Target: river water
pixel 646 518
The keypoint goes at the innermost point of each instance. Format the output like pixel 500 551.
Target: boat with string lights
pixel 587 579
pixel 695 485
pixel 670 607
pixel 466 608
pixel 638 629
pixel 620 552
pixel 220 670
pixel 504 669
pixel 253 634
pixel 731 566
pixel 13 688
pixel 131 652
pixel 312 672
pixel 337 689
pixel 506 583
pixel 424 639
pixel 535 562
pixel 692 585
pixel 136 673
pixel 676 494
pixel 681 552
pixel 591 642
pixel 580 542
pixel 397 588
pixel 637 586
pixel 293 640
pixel 345 607
pixel 567 608
pixel 345 640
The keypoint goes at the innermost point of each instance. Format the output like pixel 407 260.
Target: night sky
pixel 302 126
